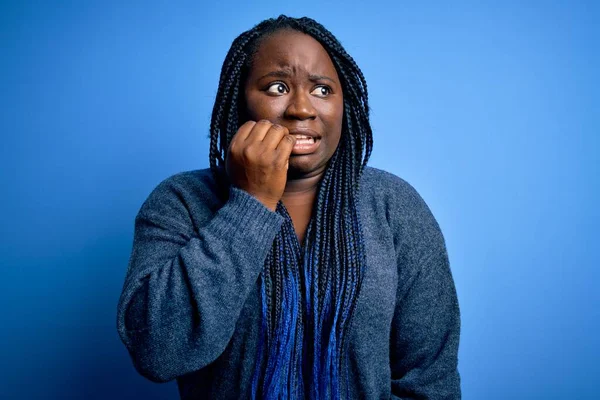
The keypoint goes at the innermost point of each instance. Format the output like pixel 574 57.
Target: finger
pixel 244 131
pixel 284 150
pixel 274 136
pixel 259 131
pixel 286 145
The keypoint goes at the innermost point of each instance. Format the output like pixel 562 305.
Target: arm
pixel 426 324
pixel 425 336
pixel 184 289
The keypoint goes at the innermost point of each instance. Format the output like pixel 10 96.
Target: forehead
pixel 292 50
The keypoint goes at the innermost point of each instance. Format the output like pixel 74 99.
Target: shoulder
pixel 389 190
pixel 375 177
pixel 192 190
pixel 389 199
pixel 198 180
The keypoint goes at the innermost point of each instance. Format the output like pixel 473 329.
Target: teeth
pixel 303 139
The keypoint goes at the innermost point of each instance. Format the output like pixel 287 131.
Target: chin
pixel 304 168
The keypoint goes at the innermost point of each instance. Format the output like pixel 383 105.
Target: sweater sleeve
pixel 185 287
pixel 426 323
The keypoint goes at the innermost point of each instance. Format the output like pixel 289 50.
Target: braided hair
pixel 308 295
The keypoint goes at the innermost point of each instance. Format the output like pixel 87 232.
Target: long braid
pixel 308 296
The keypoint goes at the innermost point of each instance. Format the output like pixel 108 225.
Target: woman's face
pixel 293 83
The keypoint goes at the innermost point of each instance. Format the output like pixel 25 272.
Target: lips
pixel 307 141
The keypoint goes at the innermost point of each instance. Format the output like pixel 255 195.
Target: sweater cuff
pixel 243 214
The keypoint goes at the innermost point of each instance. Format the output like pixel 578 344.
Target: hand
pixel 258 159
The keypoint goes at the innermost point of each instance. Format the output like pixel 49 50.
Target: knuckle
pixel 278 130
pixel 245 128
pixel 247 151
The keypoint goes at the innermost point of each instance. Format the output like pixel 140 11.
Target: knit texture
pixel 190 306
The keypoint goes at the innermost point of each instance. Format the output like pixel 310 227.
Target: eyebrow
pixel 286 74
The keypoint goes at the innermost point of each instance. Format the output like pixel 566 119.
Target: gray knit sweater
pixel 190 307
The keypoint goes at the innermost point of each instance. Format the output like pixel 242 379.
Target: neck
pixel 302 185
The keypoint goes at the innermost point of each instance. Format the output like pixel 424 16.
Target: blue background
pixel 490 110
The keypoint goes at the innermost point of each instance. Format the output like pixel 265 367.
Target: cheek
pixel 263 107
pixel 334 121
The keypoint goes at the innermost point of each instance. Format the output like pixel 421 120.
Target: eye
pixel 321 91
pixel 277 88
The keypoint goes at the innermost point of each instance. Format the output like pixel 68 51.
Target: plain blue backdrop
pixel 490 110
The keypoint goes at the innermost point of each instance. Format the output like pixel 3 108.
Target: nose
pixel 300 107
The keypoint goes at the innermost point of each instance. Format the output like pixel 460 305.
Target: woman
pixel 290 269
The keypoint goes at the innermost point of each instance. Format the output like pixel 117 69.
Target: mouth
pixel 307 141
